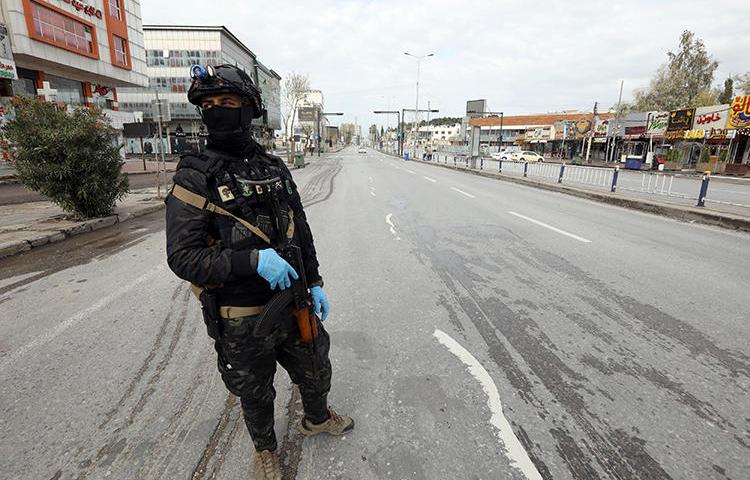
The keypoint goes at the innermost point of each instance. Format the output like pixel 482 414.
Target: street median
pixel 678 212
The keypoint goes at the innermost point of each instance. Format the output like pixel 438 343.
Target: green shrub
pixel 705 156
pixel 723 155
pixel 71 158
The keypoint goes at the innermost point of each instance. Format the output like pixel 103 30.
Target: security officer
pixel 232 213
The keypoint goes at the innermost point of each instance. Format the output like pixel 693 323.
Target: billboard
pixel 600 127
pixel 475 108
pixel 307 114
pixel 657 123
pixel 681 120
pixel 739 113
pixel 714 116
pixel 7 65
pixel 160 110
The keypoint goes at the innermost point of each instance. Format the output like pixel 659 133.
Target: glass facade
pixel 181 58
pixel 69 92
pixel 61 29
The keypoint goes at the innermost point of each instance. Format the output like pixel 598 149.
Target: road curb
pixel 16 247
pixel 687 214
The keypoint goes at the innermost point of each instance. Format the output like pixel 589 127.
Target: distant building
pixel 438 135
pixel 72 53
pixel 309 119
pixel 547 133
pixel 170 52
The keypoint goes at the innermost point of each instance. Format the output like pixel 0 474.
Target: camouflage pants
pixel 248 363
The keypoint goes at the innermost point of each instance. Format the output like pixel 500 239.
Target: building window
pixel 69 92
pixel 114 9
pixel 61 30
pixel 121 50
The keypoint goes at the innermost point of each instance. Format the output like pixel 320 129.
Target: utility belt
pixel 213 313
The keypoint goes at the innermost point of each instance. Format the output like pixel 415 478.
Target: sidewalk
pixel 29 225
pixel 132 166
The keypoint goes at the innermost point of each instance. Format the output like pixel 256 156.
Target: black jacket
pixel 212 250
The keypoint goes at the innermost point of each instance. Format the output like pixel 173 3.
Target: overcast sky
pixel 523 56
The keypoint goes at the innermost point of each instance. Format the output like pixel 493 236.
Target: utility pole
pixel 416 103
pixel 591 132
pixel 161 148
pixel 613 143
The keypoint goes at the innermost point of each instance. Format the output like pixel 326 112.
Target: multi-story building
pixel 170 52
pixel 75 53
pixel 309 120
pixel 438 135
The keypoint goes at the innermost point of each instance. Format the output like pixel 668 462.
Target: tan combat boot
pixel 335 425
pixel 267 466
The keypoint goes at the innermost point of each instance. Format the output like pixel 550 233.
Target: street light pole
pixel 398 127
pixel 416 111
pixel 320 115
pixel 416 106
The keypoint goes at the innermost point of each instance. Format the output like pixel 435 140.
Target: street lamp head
pixel 431 55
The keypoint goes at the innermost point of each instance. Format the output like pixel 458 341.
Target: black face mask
pixel 226 127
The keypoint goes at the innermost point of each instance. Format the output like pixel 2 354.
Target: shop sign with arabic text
pixel 739 113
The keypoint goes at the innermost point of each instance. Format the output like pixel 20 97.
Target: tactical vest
pixel 250 200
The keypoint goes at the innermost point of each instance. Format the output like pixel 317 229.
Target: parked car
pixel 505 153
pixel 526 156
pixel 361 150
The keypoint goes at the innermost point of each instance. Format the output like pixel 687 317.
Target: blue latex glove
pixel 275 269
pixel 320 302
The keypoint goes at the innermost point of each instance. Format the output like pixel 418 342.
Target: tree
pixel 725 95
pixel 742 84
pixel 373 130
pixel 294 88
pixel 687 74
pixel 347 132
pixel 71 158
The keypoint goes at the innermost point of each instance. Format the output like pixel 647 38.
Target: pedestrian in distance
pixel 237 231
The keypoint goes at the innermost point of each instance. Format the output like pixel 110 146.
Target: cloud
pixel 522 56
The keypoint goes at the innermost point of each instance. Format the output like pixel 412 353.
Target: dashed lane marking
pixel 510 443
pixel 462 192
pixel 554 229
pixel 393 227
pixel 411 171
pixel 430 179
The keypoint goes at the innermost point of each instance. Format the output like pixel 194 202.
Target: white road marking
pixel 372 193
pixel 554 229
pixel 393 227
pixel 411 171
pixel 18 278
pixel 513 448
pixel 430 179
pixel 462 192
pixel 50 334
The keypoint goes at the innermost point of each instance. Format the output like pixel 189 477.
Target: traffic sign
pixel 160 110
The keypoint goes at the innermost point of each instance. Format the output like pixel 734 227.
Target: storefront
pixel 738 121
pixel 76 53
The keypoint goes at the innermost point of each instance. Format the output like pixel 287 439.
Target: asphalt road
pixel 480 330
pixel 15 193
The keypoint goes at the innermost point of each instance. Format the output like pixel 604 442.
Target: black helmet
pixel 224 79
